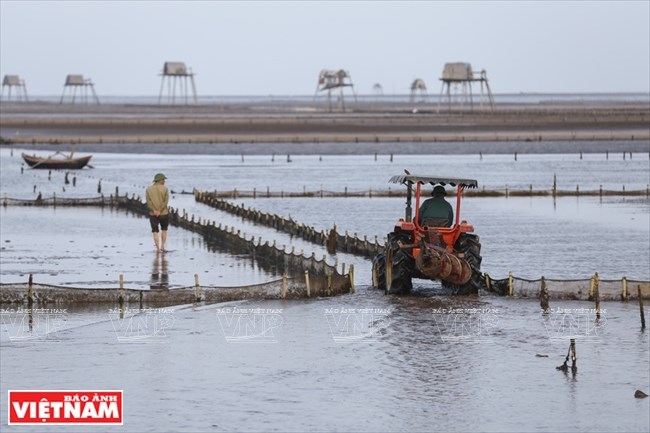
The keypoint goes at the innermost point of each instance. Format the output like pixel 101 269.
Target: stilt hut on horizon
pixel 74 82
pixel 329 79
pixel 460 76
pixel 11 82
pixel 177 73
pixel 418 87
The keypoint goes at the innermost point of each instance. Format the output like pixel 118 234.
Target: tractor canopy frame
pixel 410 179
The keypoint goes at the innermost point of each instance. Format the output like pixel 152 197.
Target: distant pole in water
pixel 391 157
pixel 515 156
pixel 375 156
pixel 597 295
pixel 554 184
pixel 273 157
pixel 480 154
pixel 49 175
pixel 607 154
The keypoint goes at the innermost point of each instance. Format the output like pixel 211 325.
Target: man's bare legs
pixel 164 240
pixel 156 241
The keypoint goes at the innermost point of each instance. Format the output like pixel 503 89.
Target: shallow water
pixel 364 362
pixel 132 173
pixel 529 236
pixel 572 239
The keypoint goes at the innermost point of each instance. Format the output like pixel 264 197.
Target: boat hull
pixel 57 164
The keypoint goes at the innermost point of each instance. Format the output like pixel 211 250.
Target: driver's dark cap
pixel 439 190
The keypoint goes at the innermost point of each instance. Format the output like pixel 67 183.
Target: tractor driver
pixel 436 211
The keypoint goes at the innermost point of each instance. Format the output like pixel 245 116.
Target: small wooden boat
pixel 62 162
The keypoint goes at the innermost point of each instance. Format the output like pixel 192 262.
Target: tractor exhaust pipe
pixel 441 265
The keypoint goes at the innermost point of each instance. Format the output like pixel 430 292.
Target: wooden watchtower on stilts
pixel 177 73
pixel 328 80
pixel 74 82
pixel 460 76
pixel 14 81
pixel 418 87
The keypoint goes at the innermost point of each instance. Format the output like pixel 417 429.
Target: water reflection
pixel 159 272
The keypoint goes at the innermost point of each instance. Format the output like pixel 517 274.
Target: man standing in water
pixel 157 201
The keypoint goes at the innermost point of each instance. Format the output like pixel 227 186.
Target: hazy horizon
pixel 279 48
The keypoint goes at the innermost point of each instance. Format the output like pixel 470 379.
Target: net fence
pixel 578 289
pixel 306 286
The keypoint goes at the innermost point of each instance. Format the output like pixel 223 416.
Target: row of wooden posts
pixel 594 283
pixel 449 138
pixel 198 289
pixel 594 294
pixel 333 240
pixel 370 193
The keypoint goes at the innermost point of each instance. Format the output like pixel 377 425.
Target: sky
pixel 279 48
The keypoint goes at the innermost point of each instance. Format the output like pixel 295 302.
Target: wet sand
pixel 366 128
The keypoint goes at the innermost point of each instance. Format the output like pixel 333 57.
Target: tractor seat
pixel 434 222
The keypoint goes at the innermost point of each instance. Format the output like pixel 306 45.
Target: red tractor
pixel 429 251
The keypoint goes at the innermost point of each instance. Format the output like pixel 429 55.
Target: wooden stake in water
pixel 574 355
pixel 121 296
pixel 510 287
pixel 597 295
pixel 638 291
pixel 543 296
pixel 307 284
pixel 574 359
pixel 284 285
pixel 30 293
pixel 197 289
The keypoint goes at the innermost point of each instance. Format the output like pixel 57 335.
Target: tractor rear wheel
pixel 399 265
pixel 470 246
pixel 379 271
